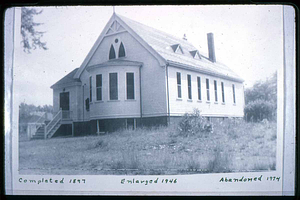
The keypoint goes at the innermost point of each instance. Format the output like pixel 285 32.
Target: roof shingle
pixel 163 44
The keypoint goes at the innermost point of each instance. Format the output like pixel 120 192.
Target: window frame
pixel 109 86
pixel 178 85
pixel 223 92
pixel 99 87
pixel 216 90
pixel 112 47
pixel 91 88
pixel 189 86
pixel 233 92
pixel 126 85
pixel 121 43
pixel 199 88
pixel 207 90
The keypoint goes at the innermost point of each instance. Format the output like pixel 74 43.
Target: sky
pixel 248 39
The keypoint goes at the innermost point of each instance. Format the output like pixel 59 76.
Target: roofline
pixel 160 59
pixel 69 84
pixel 193 68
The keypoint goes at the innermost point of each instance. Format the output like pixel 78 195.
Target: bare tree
pixel 31 38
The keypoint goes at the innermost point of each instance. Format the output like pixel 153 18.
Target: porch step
pixel 37 137
pixel 39 134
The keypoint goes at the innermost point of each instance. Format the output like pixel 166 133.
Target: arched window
pixel 112 53
pixel 121 50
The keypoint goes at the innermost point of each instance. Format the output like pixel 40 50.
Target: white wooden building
pixel 135 75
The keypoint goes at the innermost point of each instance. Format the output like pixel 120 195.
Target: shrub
pixel 194 123
pixel 258 110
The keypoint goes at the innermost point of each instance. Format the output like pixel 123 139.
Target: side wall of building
pixel 178 106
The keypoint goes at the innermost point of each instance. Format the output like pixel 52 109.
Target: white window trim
pixel 134 85
pixel 91 88
pixel 216 91
pixel 198 89
pixel 187 81
pixel 207 89
pixel 180 98
pixel 223 92
pixel 98 87
pixel 118 82
pixel 119 48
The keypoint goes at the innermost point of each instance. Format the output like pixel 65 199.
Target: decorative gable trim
pixel 115 27
pixel 118 28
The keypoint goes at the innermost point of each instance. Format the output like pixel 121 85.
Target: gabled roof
pixel 162 43
pixel 68 79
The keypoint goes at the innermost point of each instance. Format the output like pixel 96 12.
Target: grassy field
pixel 233 146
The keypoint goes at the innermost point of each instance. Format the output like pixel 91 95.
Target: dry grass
pixel 233 146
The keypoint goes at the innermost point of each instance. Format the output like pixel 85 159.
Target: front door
pixel 64 102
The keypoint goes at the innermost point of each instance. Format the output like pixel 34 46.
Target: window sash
pixel 199 87
pixel 216 90
pixel 179 85
pixel 113 86
pixel 112 53
pixel 189 86
pixel 90 89
pixel 99 87
pixel 207 90
pixel 233 92
pixel 121 50
pixel 223 94
pixel 130 85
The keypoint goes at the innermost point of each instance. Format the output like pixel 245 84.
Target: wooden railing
pixel 53 122
pixel 33 127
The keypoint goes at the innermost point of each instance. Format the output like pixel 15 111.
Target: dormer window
pixel 121 50
pixel 195 54
pixel 112 53
pixel 177 48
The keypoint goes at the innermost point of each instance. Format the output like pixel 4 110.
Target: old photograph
pixel 148 90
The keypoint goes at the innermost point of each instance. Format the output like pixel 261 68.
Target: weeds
pixel 210 147
pixel 220 161
pixel 194 124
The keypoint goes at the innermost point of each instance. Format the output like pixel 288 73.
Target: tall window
pixel 113 86
pixel 216 90
pixel 223 94
pixel 179 84
pixel 99 87
pixel 189 86
pixel 199 87
pixel 207 89
pixel 233 92
pixel 121 50
pixel 90 89
pixel 130 85
pixel 112 53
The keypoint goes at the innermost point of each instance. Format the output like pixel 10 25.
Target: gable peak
pixel 114 27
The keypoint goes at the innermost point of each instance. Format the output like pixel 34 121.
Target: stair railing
pixel 53 122
pixel 41 121
pixel 33 127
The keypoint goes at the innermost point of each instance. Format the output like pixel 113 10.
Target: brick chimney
pixel 211 47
